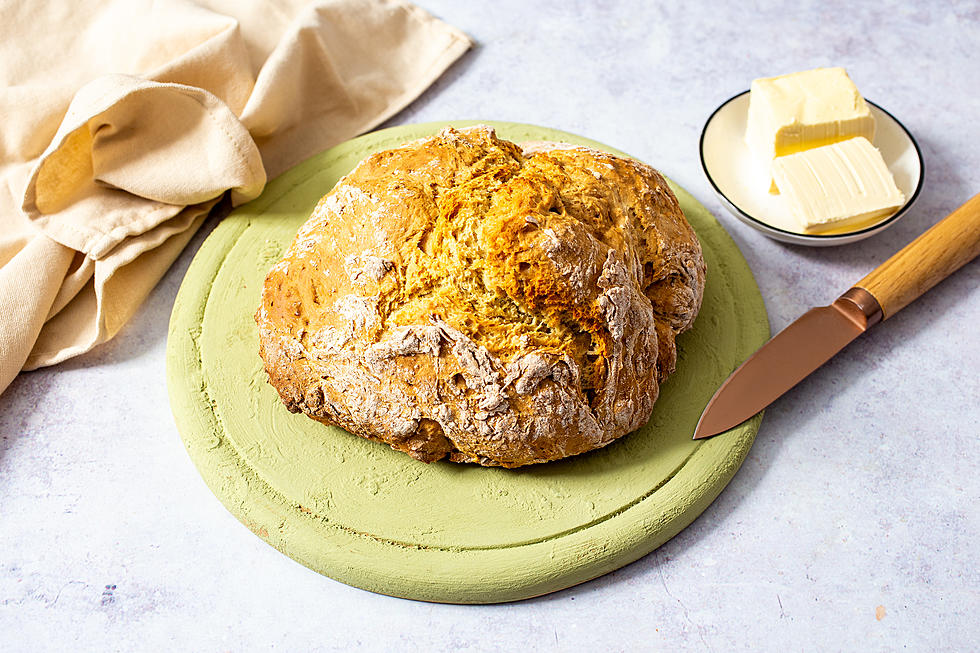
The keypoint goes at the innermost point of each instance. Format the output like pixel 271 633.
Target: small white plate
pixel 734 174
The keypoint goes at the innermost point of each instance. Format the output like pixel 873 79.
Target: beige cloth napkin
pixel 125 122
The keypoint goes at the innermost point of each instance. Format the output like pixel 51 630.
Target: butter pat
pixel 838 187
pixel 797 112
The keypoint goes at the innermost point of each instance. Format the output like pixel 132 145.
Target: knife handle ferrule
pixel 861 307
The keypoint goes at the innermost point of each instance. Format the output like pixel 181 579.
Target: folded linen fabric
pixel 126 122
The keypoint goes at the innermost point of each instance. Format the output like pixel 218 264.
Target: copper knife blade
pixel 819 334
pixel 788 358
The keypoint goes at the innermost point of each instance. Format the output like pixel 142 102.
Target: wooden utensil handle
pixel 927 260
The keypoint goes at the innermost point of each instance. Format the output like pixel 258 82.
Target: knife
pixel 816 336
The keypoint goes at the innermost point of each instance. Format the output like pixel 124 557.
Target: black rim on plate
pixel 768 227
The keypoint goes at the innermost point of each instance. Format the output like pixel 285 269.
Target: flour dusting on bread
pixel 461 297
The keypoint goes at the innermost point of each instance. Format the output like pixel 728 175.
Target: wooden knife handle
pixel 927 260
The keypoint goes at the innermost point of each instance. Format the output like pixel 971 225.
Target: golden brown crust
pixel 462 297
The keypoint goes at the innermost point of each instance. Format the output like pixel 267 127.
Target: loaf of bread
pixel 462 297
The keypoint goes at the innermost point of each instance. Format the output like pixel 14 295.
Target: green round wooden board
pixel 372 517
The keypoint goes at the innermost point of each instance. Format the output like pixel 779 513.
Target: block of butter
pixel 838 187
pixel 796 112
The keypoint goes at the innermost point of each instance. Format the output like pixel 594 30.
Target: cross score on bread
pixel 467 298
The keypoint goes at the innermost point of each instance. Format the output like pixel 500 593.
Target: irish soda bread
pixel 461 297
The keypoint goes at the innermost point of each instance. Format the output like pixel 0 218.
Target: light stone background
pixel 853 524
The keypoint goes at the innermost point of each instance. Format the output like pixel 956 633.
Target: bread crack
pixel 461 297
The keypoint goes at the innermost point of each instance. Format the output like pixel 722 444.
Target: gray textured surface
pixel 852 525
